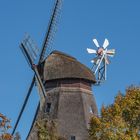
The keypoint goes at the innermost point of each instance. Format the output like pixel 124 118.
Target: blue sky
pixel 81 21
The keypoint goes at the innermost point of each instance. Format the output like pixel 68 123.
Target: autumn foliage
pixel 4 127
pixel 119 121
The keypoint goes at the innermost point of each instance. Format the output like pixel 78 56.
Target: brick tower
pixel 69 99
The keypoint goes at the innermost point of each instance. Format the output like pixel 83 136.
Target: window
pixel 73 138
pixel 48 108
pixel 90 110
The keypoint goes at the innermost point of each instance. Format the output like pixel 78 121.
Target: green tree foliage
pixel 119 121
pixel 47 130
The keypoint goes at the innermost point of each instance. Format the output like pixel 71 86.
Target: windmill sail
pixel 24 105
pixel 48 37
pixel 51 29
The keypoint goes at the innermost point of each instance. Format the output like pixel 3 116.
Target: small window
pixel 73 138
pixel 48 108
pixel 90 110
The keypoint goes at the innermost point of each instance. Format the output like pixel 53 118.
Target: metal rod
pixel 99 63
pixel 105 67
pixel 101 60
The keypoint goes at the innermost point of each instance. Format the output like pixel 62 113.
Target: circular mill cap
pixel 59 65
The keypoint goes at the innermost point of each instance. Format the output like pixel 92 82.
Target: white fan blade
pixel 96 43
pixel 91 50
pixel 111 52
pixel 106 43
pixel 110 55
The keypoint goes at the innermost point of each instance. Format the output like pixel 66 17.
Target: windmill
pixel 65 88
pixel 101 60
pixel 31 53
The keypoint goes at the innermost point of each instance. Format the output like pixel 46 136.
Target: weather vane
pixel 101 60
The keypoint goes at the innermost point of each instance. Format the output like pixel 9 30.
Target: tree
pixel 47 130
pixel 4 127
pixel 119 121
pixel 17 136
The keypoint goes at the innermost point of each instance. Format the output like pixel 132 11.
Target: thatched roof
pixel 59 65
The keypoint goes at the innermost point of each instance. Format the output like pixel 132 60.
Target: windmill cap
pixel 59 65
